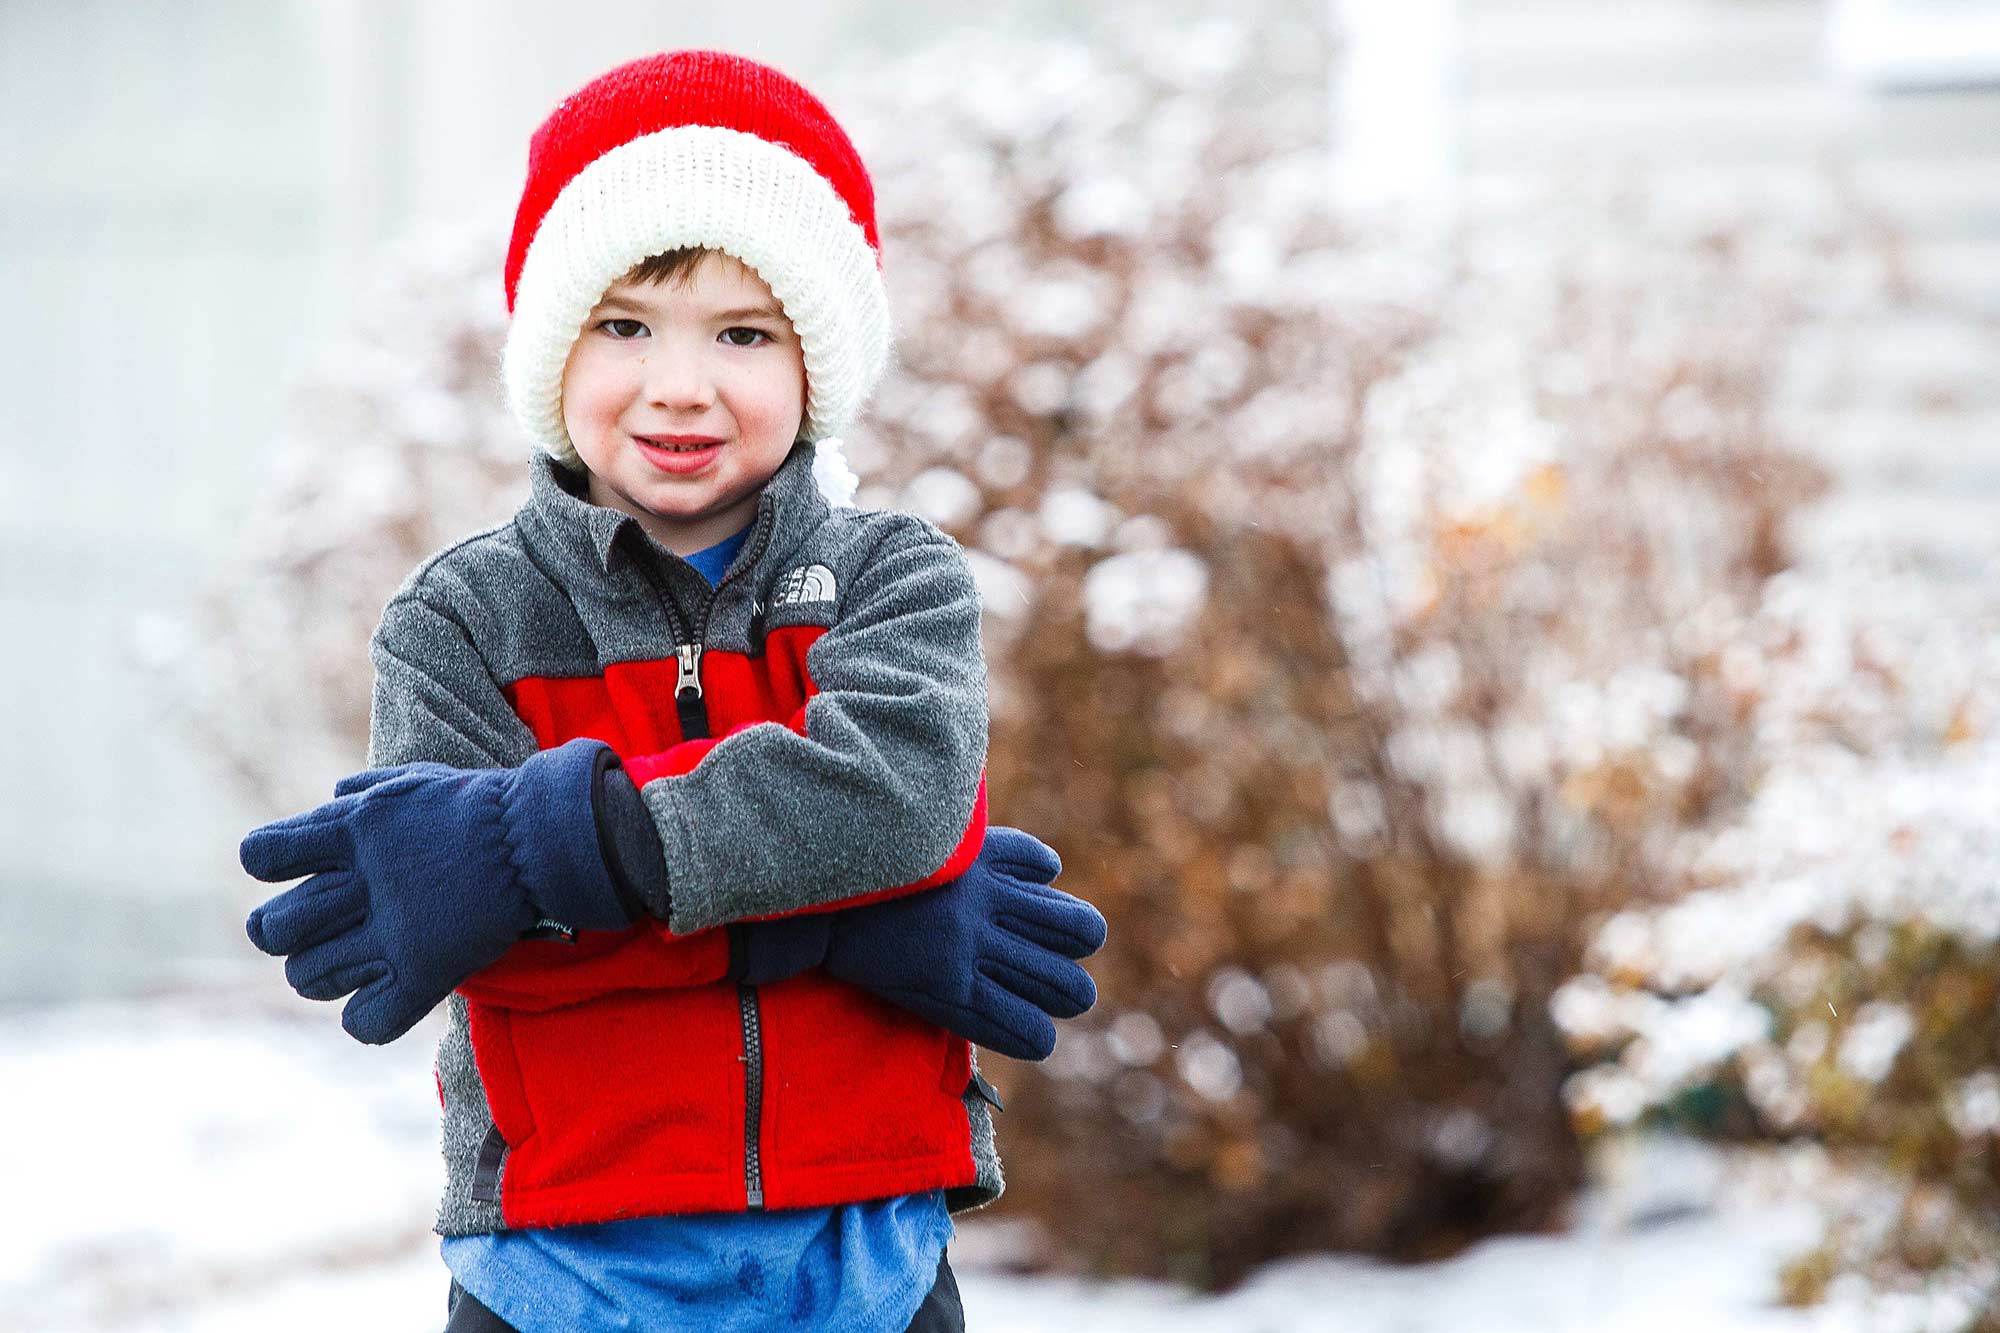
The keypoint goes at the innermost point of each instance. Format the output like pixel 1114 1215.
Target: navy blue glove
pixel 989 955
pixel 422 874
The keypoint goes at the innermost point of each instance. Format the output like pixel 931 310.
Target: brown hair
pixel 676 265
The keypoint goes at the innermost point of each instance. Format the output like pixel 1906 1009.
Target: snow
pixel 197 1149
pixel 1208 1066
pixel 1074 517
pixel 1976 1109
pixel 1239 1000
pixel 1832 840
pixel 225 1158
pixel 1859 676
pixel 941 495
pixel 1003 589
pixel 1068 303
pixel 1010 534
pixel 1005 460
pixel 1103 206
pixel 1135 1037
pixel 1041 387
pixel 1143 600
pixel 1869 1047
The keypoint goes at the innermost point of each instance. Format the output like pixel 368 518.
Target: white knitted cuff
pixel 700 185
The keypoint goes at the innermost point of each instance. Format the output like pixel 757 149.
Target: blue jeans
pixel 941 1311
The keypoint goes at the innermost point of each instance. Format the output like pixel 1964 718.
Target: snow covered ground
pixel 222 1157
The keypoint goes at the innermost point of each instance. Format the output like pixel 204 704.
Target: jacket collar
pixel 591 539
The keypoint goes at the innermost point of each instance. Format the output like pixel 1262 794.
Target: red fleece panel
pixel 537 975
pixel 957 1066
pixel 630 707
pixel 759 689
pixel 499 1072
pixel 631 1100
pixel 642 696
pixel 567 708
pixel 827 1133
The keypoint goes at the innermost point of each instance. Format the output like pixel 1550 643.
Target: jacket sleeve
pixel 435 700
pixel 878 782
pixel 634 825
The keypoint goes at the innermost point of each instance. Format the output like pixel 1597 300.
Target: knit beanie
pixel 696 148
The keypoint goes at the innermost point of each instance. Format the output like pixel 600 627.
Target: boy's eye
pixel 620 335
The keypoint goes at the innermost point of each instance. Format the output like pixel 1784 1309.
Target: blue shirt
pixel 854 1266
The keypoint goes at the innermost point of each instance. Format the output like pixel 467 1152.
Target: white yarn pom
pixel 836 479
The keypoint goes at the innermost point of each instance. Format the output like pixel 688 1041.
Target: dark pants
pixel 940 1312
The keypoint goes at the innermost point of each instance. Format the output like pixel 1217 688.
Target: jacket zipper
pixel 693 713
pixel 753 1099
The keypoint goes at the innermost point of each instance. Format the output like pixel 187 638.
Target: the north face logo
pixel 814 583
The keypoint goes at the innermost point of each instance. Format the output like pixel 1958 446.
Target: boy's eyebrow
pixel 751 312
pixel 739 312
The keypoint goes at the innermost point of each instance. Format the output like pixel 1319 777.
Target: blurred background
pixel 1489 523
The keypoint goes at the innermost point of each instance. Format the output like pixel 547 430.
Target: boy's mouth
pixel 679 444
pixel 678 455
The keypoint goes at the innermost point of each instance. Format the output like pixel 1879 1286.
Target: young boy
pixel 677 794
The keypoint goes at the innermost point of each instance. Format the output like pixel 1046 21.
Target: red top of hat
pixel 684 88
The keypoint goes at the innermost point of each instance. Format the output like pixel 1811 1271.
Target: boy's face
pixel 688 359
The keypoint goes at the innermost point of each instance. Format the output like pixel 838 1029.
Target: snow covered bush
pixel 1358 617
pixel 1832 972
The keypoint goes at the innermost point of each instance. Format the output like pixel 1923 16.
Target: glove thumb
pixel 366 778
pixel 1021 854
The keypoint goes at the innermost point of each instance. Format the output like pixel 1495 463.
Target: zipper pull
pixel 690 675
pixel 986 1090
pixel 687 693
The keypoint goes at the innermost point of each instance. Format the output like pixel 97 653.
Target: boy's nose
pixel 677 381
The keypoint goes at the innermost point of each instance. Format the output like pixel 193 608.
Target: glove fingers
pixel 1011 1025
pixel 301 845
pixel 1020 854
pixel 329 971
pixel 1042 934
pixel 383 1011
pixel 323 907
pixel 1054 985
pixel 1068 925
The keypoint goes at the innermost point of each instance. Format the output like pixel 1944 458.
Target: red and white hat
pixel 695 148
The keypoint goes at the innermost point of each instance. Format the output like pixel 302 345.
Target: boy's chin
pixel 687 502
pixel 678 504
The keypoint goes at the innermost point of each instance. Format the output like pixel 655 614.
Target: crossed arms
pixel 465 830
